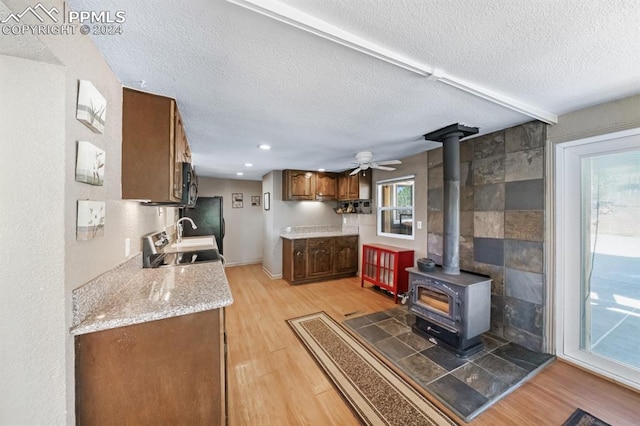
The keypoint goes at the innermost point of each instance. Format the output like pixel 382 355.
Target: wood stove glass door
pixel 434 300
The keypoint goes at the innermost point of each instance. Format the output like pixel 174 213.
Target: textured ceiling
pixel 242 79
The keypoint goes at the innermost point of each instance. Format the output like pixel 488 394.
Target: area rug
pixel 376 394
pixel 582 418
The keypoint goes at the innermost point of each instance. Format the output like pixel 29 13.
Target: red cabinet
pixel 385 266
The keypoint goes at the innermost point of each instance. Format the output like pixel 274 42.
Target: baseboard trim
pixel 270 275
pixel 242 263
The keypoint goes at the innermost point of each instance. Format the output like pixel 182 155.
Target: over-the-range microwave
pixel 189 190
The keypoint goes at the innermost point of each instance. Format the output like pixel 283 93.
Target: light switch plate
pixel 419 224
pixel 127 247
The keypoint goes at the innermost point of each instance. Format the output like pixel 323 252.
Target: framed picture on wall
pixel 92 107
pixel 237 200
pixel 255 200
pixel 267 200
pixel 90 164
pixel 90 221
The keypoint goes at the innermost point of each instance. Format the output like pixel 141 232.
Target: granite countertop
pixel 319 231
pixel 130 294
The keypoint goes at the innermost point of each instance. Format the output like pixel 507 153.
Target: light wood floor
pixel 272 380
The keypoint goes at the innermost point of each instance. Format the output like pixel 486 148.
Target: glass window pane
pixel 395 210
pixel 611 256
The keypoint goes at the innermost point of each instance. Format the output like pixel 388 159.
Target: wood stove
pixel 452 307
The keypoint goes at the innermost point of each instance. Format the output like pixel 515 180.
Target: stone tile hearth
pixel 466 385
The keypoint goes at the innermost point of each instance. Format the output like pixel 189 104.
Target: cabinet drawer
pixel 321 242
pixel 299 245
pixel 347 241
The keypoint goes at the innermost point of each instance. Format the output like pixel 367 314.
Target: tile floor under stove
pixel 466 385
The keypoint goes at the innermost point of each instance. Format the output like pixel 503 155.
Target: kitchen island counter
pixel 130 295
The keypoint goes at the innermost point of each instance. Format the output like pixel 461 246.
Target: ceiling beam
pixel 309 23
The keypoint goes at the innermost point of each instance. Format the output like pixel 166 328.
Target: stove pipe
pixel 450 137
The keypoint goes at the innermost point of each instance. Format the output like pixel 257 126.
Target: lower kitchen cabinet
pixel 346 255
pixel 320 257
pixel 170 371
pixel 316 259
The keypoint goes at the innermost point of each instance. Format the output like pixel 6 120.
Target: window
pixel 395 208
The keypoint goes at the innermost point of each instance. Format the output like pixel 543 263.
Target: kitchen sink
pixel 183 258
pixel 158 253
pixel 191 242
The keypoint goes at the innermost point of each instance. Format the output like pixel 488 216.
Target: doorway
pixel 598 254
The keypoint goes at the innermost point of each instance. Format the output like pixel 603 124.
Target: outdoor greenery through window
pixel 395 207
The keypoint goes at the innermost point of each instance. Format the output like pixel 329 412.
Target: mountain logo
pixel 38 11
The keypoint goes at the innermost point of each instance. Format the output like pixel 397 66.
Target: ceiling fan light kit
pixel 363 160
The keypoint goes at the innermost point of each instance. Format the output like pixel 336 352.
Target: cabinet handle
pixel 299 253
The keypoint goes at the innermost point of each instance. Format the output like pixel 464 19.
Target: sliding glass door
pixel 598 254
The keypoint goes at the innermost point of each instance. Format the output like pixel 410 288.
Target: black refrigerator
pixel 207 214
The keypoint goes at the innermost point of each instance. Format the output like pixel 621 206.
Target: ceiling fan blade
pixel 355 172
pixel 384 163
pixel 379 167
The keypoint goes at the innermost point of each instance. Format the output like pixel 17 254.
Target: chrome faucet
pixel 179 227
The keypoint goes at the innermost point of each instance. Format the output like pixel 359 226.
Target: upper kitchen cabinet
pixel 298 185
pixel 326 186
pixel 154 145
pixel 356 187
pixel 183 151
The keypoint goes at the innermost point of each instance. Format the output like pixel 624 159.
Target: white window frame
pixel 380 209
pixel 568 157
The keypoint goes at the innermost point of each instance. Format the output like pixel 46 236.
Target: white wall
pixel 615 116
pixel 32 294
pixel 46 214
pixel 289 213
pixel 414 165
pixel 243 238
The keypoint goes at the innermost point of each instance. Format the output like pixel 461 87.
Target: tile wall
pixel 501 224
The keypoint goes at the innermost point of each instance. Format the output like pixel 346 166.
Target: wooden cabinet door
pixel 299 261
pixel 343 186
pixel 154 145
pixel 353 187
pixel 298 185
pixel 348 187
pixel 159 372
pixel 180 147
pixel 326 186
pixel 346 255
pixel 320 257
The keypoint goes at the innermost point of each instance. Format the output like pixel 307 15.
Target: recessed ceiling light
pixel 239 173
pixel 248 165
pixel 264 146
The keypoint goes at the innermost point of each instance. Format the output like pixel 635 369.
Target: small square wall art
pixel 92 107
pixel 90 164
pixel 91 218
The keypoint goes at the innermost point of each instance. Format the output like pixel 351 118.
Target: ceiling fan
pixel 364 162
